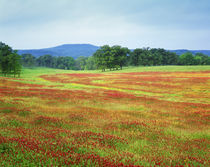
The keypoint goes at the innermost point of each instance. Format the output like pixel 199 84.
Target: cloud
pixel 132 23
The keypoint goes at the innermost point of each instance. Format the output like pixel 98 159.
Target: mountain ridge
pixel 181 51
pixel 76 50
pixel 73 50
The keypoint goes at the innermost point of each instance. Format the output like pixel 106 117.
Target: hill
pixel 73 50
pixel 181 51
pixel 76 50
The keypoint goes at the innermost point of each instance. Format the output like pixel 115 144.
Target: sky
pixel 169 24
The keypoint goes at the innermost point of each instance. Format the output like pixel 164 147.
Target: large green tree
pixel 111 57
pixel 10 61
pixel 119 55
pixel 102 57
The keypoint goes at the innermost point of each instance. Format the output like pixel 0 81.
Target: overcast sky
pixel 169 24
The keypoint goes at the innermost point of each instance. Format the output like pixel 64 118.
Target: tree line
pixel 106 57
pixel 115 57
pixel 153 57
pixel 67 63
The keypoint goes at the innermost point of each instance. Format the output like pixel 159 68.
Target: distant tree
pixel 40 61
pixel 172 58
pixel 135 58
pixel 146 59
pixel 102 57
pixel 90 63
pixel 81 63
pixel 119 55
pixel 202 59
pixel 46 61
pixel 156 56
pixel 111 57
pixel 197 60
pixel 186 59
pixel 69 63
pixel 28 60
pixel 14 63
pixel 152 57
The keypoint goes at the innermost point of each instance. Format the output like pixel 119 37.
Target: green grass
pixel 165 68
pixel 32 73
pixel 143 129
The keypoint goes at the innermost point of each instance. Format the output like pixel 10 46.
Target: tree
pixel 28 60
pixel 135 58
pixel 69 63
pixel 81 62
pixel 145 57
pixel 46 61
pixel 90 63
pixel 197 60
pixel 172 58
pixel 102 57
pixel 119 55
pixel 111 57
pixel 5 50
pixel 14 63
pixel 10 61
pixel 202 59
pixel 186 59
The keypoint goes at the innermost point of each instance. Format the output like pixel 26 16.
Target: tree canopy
pixel 106 57
pixel 111 57
pixel 152 57
pixel 28 60
pixel 10 61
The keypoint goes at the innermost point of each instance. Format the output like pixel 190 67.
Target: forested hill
pixel 73 50
pixel 76 50
pixel 181 51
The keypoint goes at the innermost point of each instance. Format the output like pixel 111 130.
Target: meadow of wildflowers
pixel 141 118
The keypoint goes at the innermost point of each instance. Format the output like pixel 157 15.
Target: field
pixel 145 116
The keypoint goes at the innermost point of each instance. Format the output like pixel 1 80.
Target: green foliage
pixel 81 63
pixel 28 60
pixel 202 59
pixel 186 59
pixel 152 57
pixel 189 59
pixel 46 61
pixel 111 57
pixel 106 57
pixel 90 63
pixel 67 63
pixel 10 61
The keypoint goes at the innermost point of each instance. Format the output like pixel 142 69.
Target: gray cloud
pixel 133 23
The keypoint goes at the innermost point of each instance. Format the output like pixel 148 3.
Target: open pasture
pixel 157 116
